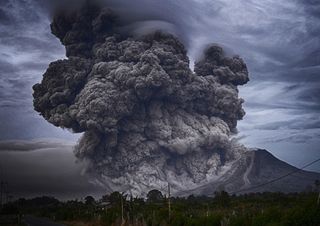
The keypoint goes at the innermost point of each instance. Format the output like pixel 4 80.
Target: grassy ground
pixel 80 223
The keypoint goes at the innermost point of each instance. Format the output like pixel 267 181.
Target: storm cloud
pixel 30 168
pixel 32 145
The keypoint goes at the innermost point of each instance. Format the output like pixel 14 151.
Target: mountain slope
pixel 253 170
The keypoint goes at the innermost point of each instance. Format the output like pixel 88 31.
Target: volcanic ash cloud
pixel 146 118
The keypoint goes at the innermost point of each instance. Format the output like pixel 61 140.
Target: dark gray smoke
pixel 147 118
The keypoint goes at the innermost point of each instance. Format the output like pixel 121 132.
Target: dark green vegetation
pixel 256 209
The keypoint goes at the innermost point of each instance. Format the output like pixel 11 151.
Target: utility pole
pixel 317 184
pixel 5 192
pixel 169 202
pixel 1 192
pixel 1 187
pixel 122 218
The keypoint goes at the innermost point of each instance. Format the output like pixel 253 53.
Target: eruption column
pixel 146 118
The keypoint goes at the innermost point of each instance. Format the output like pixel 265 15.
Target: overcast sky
pixel 279 41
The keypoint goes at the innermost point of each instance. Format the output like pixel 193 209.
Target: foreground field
pixel 263 209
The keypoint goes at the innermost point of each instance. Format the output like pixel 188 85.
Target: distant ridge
pixel 254 172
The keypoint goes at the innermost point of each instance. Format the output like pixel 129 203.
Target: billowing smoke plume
pixel 147 118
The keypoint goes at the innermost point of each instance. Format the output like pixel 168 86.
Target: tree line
pixel 254 209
